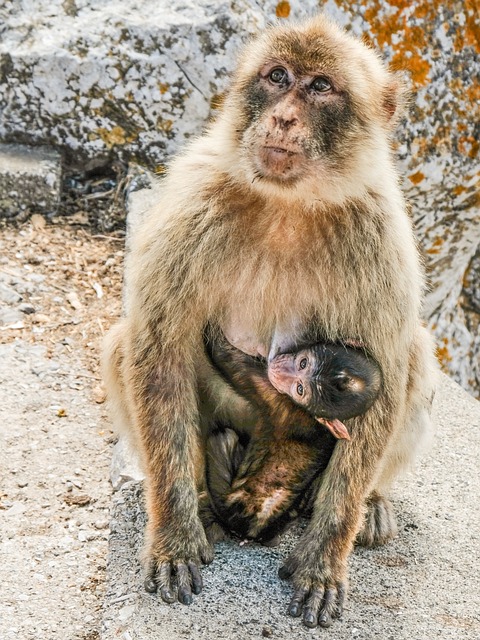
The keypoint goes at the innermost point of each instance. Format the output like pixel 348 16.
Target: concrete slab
pixel 423 585
pixel 30 178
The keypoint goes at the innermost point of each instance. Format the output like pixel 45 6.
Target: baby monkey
pixel 259 482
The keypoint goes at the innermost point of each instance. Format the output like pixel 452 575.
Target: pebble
pixel 26 308
pixel 22 483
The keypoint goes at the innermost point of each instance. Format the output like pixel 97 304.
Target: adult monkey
pixel 285 214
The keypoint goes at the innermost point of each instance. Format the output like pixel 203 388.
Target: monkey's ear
pixel 394 99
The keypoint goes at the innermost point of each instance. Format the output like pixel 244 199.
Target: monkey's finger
pixel 163 579
pixel 329 606
pixel 296 603
pixel 341 595
pixel 150 582
pixel 183 582
pixel 197 582
pixel 312 607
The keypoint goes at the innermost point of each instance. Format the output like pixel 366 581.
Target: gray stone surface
pixel 30 178
pixel 423 585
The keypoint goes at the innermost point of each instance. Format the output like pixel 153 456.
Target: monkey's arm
pixel 318 564
pixel 246 373
pixel 162 335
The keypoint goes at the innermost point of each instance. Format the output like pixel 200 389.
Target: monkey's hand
pixel 319 581
pixel 177 550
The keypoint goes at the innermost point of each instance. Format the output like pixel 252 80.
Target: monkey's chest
pixel 282 291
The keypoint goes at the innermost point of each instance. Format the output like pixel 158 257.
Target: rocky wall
pixel 137 79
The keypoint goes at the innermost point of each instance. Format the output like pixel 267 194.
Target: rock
pixel 30 178
pixel 142 78
pixel 397 591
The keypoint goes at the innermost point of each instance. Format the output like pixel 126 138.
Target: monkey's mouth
pixel 279 162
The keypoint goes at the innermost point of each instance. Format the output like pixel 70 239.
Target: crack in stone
pixel 189 80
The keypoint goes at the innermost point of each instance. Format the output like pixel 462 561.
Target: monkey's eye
pixel 278 75
pixel 321 85
pixel 300 389
pixel 303 363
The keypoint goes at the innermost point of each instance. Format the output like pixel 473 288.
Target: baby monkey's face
pixel 332 382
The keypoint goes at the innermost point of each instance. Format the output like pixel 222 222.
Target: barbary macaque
pixel 285 213
pixel 258 487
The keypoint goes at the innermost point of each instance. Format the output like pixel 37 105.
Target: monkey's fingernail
pixel 309 620
pixel 185 597
pixel 167 596
pixel 150 585
pixel 325 621
pixel 294 609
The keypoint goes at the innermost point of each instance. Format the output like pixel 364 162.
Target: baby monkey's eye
pixel 303 363
pixel 278 75
pixel 321 84
pixel 300 389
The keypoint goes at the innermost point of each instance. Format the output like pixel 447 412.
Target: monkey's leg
pixel 407 443
pixel 224 456
pixel 380 524
pixel 112 362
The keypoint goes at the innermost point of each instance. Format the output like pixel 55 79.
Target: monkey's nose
pixel 284 121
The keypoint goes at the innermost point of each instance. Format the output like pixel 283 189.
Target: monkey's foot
pixel 187 552
pixel 380 524
pixel 319 588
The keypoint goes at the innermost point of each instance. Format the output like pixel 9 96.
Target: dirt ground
pixel 60 290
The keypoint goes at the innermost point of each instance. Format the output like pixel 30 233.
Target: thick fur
pixel 227 244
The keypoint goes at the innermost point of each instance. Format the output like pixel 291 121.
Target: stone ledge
pixel 422 585
pixel 30 178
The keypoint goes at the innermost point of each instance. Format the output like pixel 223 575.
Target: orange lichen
pixel 469 34
pixel 114 136
pixel 283 9
pixel 443 354
pixel 163 87
pixel 459 189
pixel 412 41
pixel 469 146
pixel 417 177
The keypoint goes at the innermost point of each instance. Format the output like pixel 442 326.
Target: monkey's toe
pixel 320 605
pixel 380 524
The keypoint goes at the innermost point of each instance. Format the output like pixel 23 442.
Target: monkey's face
pixel 298 121
pixel 311 101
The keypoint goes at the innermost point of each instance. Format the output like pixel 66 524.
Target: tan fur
pixel 336 245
